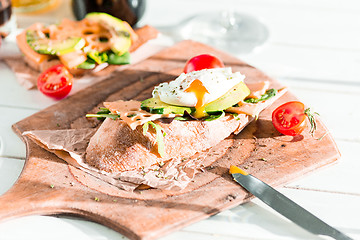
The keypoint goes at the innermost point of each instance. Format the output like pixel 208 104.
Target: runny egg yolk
pixel 199 90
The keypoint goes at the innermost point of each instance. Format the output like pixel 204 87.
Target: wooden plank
pixel 48 185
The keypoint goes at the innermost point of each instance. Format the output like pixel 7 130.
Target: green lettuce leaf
pixel 160 134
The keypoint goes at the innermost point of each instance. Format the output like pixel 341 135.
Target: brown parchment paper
pixel 70 145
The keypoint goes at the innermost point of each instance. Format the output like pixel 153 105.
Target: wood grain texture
pixel 47 185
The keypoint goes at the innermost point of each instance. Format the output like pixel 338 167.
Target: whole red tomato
pixel 55 82
pixel 204 61
pixel 290 118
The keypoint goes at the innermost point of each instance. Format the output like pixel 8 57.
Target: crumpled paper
pixel 70 145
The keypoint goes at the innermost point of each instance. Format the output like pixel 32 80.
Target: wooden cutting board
pixel 47 185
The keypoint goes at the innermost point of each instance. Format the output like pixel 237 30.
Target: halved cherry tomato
pixel 290 118
pixel 204 61
pixel 55 82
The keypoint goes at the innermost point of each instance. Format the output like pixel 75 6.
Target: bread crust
pixel 115 147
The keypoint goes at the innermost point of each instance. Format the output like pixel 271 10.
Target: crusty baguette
pixel 116 147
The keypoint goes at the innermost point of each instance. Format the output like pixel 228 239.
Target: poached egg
pixel 198 88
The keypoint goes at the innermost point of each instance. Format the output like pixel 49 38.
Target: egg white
pixel 217 81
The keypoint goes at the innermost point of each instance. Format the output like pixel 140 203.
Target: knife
pixel 284 205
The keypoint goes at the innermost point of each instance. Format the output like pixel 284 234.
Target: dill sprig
pixel 311 116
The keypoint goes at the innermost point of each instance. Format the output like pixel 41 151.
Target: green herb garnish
pixel 267 95
pixel 235 115
pixel 215 116
pixel 98 57
pixel 160 134
pixel 182 118
pixel 311 116
pixel 110 57
pixel 104 113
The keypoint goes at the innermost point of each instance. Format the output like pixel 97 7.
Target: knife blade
pixel 284 205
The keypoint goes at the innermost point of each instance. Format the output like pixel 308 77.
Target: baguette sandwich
pixel 194 112
pixel 89 45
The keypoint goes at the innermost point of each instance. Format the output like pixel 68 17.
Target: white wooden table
pixel 314 48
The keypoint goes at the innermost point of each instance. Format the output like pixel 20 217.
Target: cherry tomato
pixel 204 61
pixel 290 118
pixel 55 82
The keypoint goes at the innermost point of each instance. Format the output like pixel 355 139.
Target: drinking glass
pixel 230 31
pixel 127 10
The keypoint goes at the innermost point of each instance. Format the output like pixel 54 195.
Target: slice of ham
pixel 131 113
pixel 257 88
pixel 254 109
pixel 32 57
pixel 73 59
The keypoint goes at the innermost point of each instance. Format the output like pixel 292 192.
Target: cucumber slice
pixel 155 105
pixel 115 59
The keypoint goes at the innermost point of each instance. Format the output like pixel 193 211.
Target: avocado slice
pixel 238 93
pixel 155 105
pixel 121 42
pixel 53 47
